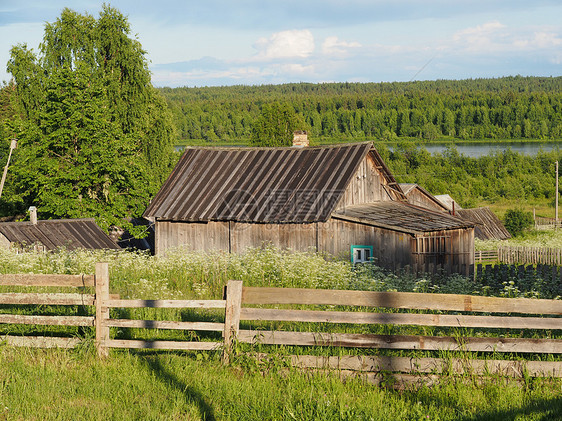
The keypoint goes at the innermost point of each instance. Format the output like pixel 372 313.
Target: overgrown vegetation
pixel 59 384
pixel 56 384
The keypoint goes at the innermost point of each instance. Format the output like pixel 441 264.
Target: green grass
pixel 60 385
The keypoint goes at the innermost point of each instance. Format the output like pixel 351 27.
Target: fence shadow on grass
pixel 540 409
pixel 168 377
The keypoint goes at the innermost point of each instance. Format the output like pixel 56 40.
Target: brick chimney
pixel 300 139
pixel 33 215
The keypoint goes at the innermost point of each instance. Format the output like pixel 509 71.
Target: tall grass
pixel 60 384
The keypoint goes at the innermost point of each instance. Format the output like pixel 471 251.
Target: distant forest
pixel 504 108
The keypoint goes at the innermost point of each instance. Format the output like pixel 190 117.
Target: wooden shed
pixel 52 234
pixel 487 225
pixel 341 200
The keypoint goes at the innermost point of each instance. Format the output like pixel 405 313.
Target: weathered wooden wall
pixel 204 236
pixel 367 185
pixel 450 251
pixel 390 248
pixel 300 237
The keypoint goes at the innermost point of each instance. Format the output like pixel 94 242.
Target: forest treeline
pixel 502 174
pixel 503 108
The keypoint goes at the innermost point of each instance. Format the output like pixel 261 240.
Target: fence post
pixel 102 312
pixel 232 316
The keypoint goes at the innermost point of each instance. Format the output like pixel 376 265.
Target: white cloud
pixel 481 38
pixel 540 40
pixel 334 46
pixel 286 44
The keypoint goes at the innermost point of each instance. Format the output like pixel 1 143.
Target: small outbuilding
pixel 487 226
pixel 47 235
pixel 342 200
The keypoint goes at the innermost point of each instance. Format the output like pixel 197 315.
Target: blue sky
pixel 253 42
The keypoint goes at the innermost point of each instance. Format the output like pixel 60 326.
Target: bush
pixel 516 221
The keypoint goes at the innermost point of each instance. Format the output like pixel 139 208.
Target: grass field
pixel 74 384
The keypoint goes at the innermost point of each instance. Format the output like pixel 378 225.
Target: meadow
pixel 74 384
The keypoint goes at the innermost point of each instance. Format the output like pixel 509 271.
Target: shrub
pixel 516 221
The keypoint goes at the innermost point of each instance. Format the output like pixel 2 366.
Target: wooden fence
pixel 244 307
pixel 542 223
pixel 520 255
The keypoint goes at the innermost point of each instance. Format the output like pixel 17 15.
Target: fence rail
pixel 248 306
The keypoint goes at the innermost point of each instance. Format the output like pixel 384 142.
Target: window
pixel 361 254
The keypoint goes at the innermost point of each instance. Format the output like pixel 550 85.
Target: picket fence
pixel 247 308
pixel 512 255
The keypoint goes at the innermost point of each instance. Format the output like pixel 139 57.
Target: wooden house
pixel 53 234
pixel 342 200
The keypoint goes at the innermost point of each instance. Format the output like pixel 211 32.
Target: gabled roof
pixel 448 201
pixel 57 233
pixel 409 188
pixel 488 225
pixel 400 216
pixel 269 185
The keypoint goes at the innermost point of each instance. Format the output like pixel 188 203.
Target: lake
pixel 477 149
pixel 472 149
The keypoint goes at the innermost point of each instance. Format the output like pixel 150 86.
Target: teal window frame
pixel 358 247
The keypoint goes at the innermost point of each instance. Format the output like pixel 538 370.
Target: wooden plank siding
pixel 299 237
pixel 367 185
pixel 203 236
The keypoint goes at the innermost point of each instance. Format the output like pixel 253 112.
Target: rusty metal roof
pixel 400 216
pixel 57 233
pixel 278 185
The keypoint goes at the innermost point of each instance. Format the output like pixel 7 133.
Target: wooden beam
pixel 102 311
pixel 170 345
pixel 46 299
pixel 166 303
pixel 427 343
pixel 404 300
pixel 47 320
pixel 47 280
pixel 165 324
pixel 232 316
pixel 444 320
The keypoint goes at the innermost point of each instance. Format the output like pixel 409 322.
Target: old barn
pixel 341 200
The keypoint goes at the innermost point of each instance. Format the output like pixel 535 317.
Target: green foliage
pixel 503 108
pixel 275 125
pixel 95 138
pixel 516 221
pixel 499 175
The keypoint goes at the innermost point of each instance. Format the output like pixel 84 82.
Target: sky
pixel 256 42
